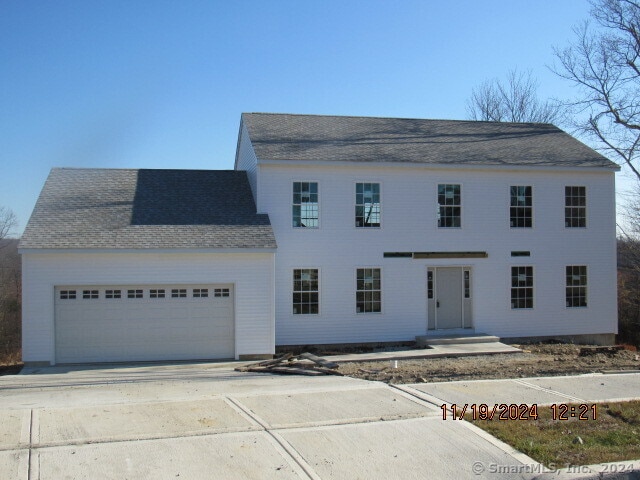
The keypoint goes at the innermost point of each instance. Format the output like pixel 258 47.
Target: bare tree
pixel 515 100
pixel 8 222
pixel 604 64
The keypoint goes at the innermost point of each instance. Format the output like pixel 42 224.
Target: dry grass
pixel 613 436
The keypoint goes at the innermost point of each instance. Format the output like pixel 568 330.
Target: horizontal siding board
pixel 409 224
pixel 250 274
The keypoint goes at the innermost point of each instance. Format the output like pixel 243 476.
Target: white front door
pixel 449 293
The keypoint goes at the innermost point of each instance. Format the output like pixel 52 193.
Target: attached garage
pixel 118 323
pixel 147 265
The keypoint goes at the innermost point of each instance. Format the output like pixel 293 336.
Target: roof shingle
pixel 286 137
pixel 131 209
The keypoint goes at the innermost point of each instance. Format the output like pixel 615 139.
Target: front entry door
pixel 449 297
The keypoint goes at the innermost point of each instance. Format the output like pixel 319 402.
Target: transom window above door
pixel 367 205
pixel 305 205
pixel 449 206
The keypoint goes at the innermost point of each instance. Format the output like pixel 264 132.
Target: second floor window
pixel 521 207
pixel 449 206
pixel 305 204
pixel 367 204
pixel 575 207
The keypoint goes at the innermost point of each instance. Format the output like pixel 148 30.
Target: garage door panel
pixel 135 329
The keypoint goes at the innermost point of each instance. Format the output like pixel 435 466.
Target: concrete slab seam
pixel 242 411
pixel 414 398
pixel 548 390
pixel 143 437
pixel 25 431
pixel 33 470
pixel 434 402
pixel 286 449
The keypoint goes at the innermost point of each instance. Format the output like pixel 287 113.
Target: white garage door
pixel 143 322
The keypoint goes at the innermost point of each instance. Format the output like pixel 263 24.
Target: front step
pixel 426 340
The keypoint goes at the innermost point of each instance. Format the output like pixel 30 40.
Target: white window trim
pixel 355 189
pixel 586 208
pixel 320 196
pixel 462 203
pixel 320 309
pixel 533 209
pixel 355 296
pixel 533 287
pixel 586 288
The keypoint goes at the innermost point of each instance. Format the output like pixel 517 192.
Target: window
pixel 200 292
pixel 368 292
pixel 157 293
pixel 305 204
pixel 90 294
pixel 305 291
pixel 449 206
pixel 575 207
pixel 221 292
pixel 576 289
pixel 521 207
pixel 67 294
pixel 467 284
pixel 521 287
pixel 113 294
pixel 367 204
pixel 134 293
pixel 430 284
pixel 179 293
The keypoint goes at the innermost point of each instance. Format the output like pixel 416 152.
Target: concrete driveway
pixel 207 421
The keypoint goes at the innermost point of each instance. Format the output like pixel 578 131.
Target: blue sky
pixel 162 84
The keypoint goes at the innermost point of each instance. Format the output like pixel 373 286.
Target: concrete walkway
pixel 207 421
pixel 435 351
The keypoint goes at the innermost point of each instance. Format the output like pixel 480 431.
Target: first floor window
pixel 134 293
pixel 113 294
pixel 521 287
pixel 305 204
pixel 156 293
pixel 178 293
pixel 67 294
pixel 521 207
pixel 90 294
pixel 368 291
pixel 576 288
pixel 305 291
pixel 449 206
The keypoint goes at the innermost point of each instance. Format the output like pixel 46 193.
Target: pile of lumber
pixel 303 364
pixel 609 350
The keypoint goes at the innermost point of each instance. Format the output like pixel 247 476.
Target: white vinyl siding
pixel 249 274
pixel 410 225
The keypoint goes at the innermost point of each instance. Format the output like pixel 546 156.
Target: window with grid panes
pixel 367 205
pixel 575 207
pixel 521 210
pixel 521 287
pixel 305 291
pixel 305 204
pixel 449 206
pixel 368 290
pixel 576 286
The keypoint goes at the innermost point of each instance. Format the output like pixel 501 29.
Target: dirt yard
pixel 535 361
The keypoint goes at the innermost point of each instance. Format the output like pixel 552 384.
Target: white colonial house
pixel 331 230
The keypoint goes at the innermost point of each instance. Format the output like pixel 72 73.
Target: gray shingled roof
pixel 129 209
pixel 286 137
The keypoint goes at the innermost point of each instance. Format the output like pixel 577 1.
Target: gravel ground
pixel 537 360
